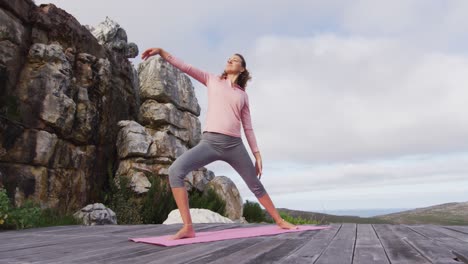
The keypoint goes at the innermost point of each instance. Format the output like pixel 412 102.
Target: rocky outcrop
pixel 227 190
pixel 62 95
pixel 73 109
pixel 112 36
pixel 96 214
pixel 167 126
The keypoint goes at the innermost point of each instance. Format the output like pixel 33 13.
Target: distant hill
pixel 443 214
pixel 329 218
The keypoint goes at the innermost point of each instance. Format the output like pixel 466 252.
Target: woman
pixel 228 107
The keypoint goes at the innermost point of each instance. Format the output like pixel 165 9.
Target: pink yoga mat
pixel 232 233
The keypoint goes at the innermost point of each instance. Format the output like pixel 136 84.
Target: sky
pixel 354 104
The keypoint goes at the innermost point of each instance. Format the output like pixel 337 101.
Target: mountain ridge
pixel 452 213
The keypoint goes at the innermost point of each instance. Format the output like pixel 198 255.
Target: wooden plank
pixel 450 243
pixel 430 233
pixel 436 234
pixel 312 249
pixel 50 256
pixel 368 248
pixel 21 239
pixel 449 232
pixel 178 254
pixel 63 246
pixel 460 252
pixel 38 242
pixel 130 247
pixel 30 231
pixel 291 244
pixel 397 250
pixel 222 253
pixel 112 244
pixel 41 237
pixel 461 256
pixel 429 248
pixel 113 252
pixel 36 229
pixel 114 249
pixel 247 249
pixel 463 229
pixel 53 245
pixel 341 248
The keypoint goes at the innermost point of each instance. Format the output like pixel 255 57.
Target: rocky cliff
pixel 73 109
pixel 62 94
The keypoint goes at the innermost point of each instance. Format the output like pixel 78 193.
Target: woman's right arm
pixel 197 74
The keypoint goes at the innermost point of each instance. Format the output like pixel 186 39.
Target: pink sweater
pixel 228 105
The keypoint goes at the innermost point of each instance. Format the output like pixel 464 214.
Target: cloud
pixel 333 98
pixel 429 25
pixel 370 174
pixel 408 182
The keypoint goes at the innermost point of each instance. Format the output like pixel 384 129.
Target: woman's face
pixel 234 65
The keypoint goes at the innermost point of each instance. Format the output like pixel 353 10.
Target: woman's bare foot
pixel 286 225
pixel 185 232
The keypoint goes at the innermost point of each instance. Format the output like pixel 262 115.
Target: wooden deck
pixel 343 243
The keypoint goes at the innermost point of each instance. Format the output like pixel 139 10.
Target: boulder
pixel 198 215
pixel 228 191
pixel 96 214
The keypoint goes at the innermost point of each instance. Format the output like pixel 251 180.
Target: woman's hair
pixel 243 76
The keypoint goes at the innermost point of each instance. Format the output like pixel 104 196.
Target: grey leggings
pixel 216 146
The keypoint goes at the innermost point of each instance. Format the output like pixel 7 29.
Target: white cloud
pixel 380 196
pixel 436 25
pixel 332 98
pixel 414 181
pixel 399 172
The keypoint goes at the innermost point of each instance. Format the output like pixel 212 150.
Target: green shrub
pixel 297 220
pixel 121 200
pixel 158 202
pixel 54 217
pixel 4 206
pixel 252 212
pixel 208 200
pixel 30 215
pixel 25 216
pixel 18 218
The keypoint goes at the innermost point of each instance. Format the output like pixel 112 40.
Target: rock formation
pixel 226 188
pixel 96 214
pixel 73 109
pixel 62 95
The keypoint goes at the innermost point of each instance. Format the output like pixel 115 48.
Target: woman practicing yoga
pixel 228 107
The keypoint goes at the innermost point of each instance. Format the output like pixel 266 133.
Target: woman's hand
pixel 258 164
pixel 150 52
